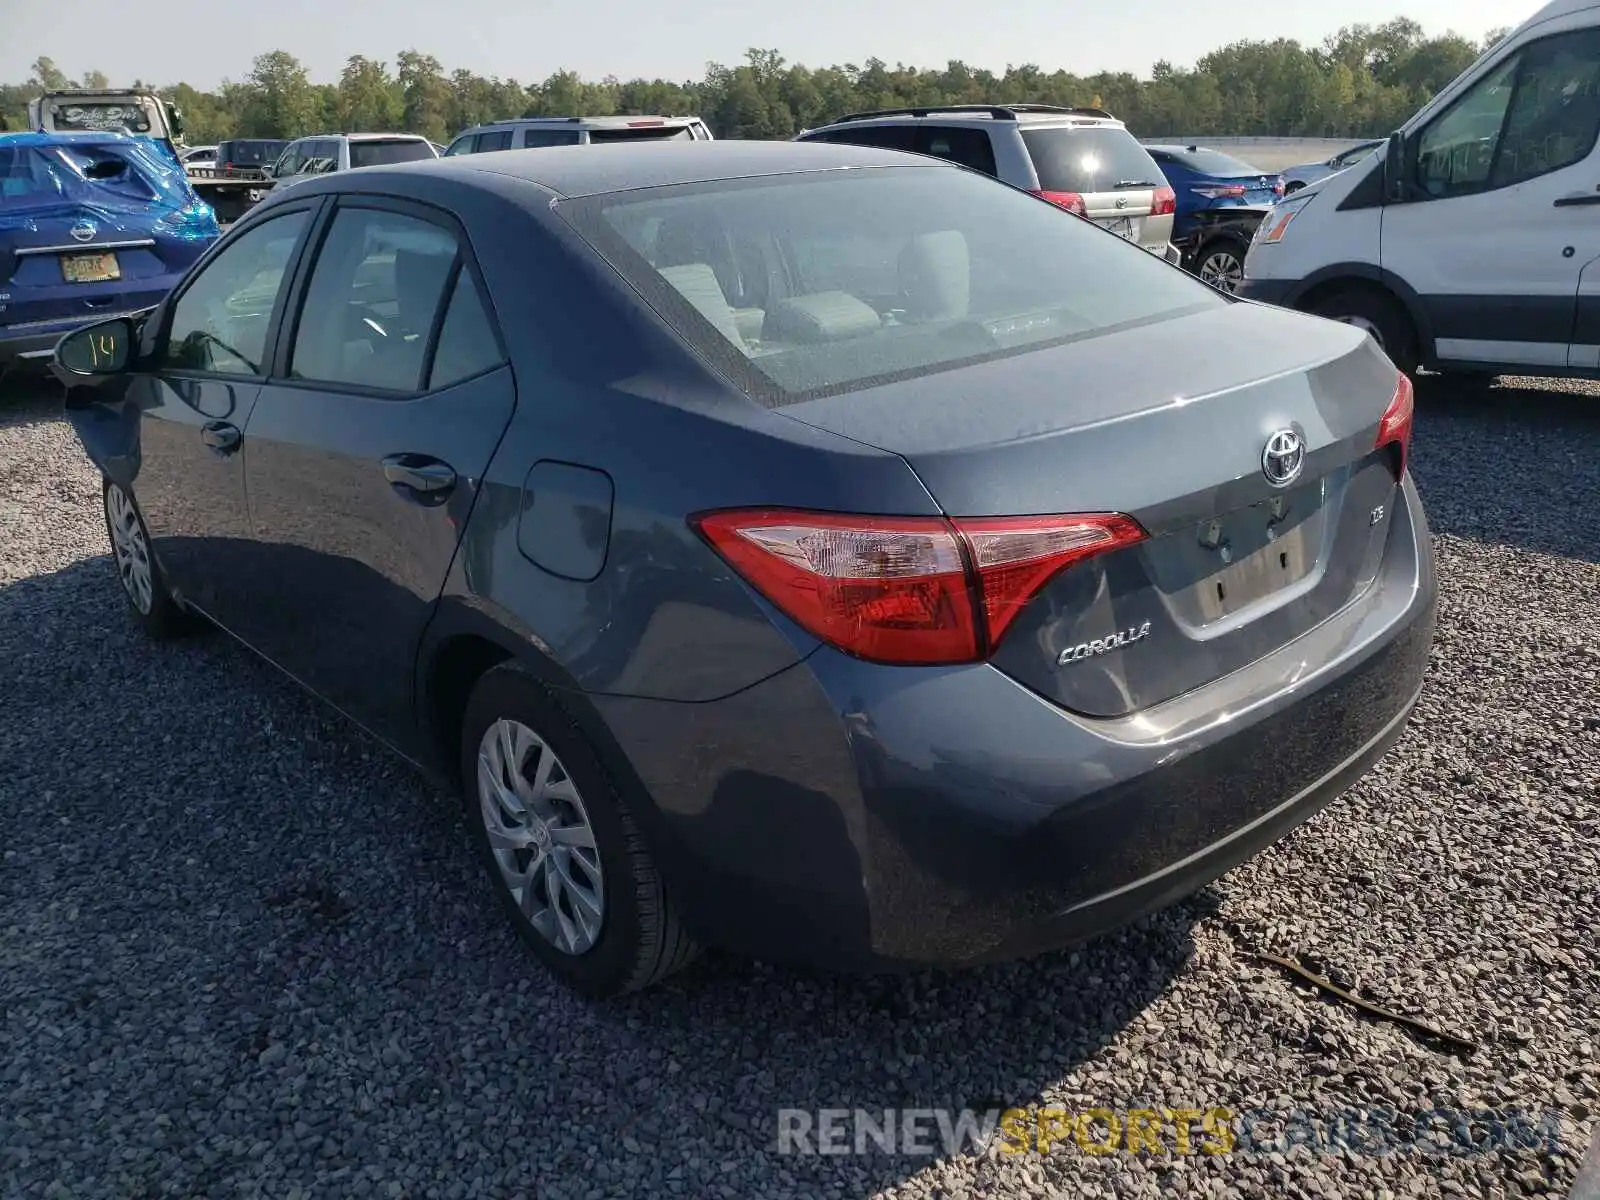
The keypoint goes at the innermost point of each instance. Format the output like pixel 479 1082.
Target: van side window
pixel 1555 114
pixel 1537 112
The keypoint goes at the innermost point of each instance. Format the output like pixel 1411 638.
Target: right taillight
pixel 1395 427
pixel 1070 201
pixel 906 590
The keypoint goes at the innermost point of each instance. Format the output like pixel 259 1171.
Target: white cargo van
pixel 1470 240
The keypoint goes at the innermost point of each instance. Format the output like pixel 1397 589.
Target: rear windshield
pixel 1089 160
pixel 820 283
pixel 651 133
pixel 377 154
pixel 254 152
pixel 1214 162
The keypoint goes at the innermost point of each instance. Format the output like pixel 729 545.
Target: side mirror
pixel 1394 169
pixel 93 352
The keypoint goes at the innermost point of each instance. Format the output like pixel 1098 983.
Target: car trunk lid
pixel 1236 564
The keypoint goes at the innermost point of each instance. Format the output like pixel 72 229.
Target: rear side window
pixel 375 293
pixel 1086 160
pixel 873 275
pixel 885 137
pixel 467 343
pixel 535 138
pixel 378 154
pixel 969 147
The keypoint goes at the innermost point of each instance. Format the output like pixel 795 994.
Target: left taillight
pixel 1223 191
pixel 1394 429
pixel 1164 202
pixel 912 591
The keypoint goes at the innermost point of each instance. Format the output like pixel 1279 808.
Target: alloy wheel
pixel 1222 269
pixel 131 550
pixel 540 836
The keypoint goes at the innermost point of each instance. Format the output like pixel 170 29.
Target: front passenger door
pixel 208 362
pixel 366 450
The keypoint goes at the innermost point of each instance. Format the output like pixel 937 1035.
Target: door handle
pixel 220 436
pixel 425 477
pixel 1578 198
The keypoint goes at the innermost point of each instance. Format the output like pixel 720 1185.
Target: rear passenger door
pixel 366 448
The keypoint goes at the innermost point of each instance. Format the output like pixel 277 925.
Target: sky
pixel 202 42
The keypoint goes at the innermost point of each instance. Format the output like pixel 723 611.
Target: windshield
pixel 377 154
pixel 1089 160
pixel 1215 163
pixel 813 284
pixel 251 152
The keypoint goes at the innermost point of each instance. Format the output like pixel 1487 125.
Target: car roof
pixel 353 137
pixel 64 137
pixel 1000 116
pixel 608 122
pixel 574 171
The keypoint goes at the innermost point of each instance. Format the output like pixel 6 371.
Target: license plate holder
pixel 1121 226
pixel 100 267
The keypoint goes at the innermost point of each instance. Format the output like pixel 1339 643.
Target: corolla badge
pixel 83 231
pixel 1116 641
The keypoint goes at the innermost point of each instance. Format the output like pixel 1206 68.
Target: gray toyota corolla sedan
pixel 821 552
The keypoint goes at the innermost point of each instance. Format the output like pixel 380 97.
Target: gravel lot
pixel 243 951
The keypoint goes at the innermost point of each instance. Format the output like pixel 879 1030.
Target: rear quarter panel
pixel 603 385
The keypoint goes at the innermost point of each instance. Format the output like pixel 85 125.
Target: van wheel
pixel 1382 318
pixel 560 840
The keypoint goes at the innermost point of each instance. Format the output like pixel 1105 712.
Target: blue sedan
pixel 812 550
pixel 91 224
pixel 1220 201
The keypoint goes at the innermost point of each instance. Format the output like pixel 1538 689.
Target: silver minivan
pixel 1082 159
pixel 532 132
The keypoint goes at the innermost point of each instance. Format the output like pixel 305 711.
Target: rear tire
pixel 1381 316
pixel 1220 262
pixel 583 892
pixel 143 585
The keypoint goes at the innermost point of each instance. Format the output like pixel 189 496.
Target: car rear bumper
pixel 857 816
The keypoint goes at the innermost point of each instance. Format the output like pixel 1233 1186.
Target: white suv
pixel 531 132
pixel 1082 159
pixel 320 153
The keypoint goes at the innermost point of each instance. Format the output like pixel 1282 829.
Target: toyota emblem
pixel 82 231
pixel 1122 202
pixel 1283 457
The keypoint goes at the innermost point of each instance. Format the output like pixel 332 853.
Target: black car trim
pixel 1490 318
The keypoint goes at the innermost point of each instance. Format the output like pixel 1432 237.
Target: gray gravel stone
pixel 245 952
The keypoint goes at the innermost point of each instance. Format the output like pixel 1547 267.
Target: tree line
pixel 1362 81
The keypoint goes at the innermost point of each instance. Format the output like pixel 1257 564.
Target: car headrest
pixel 935 276
pixel 697 283
pixel 819 317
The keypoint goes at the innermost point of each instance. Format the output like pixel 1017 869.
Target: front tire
pixel 143 585
pixel 561 844
pixel 1381 316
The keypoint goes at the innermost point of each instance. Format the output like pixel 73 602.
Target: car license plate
pixel 90 268
pixel 1121 226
